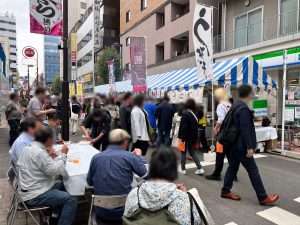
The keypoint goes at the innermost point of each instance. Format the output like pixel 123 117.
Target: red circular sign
pixel 29 52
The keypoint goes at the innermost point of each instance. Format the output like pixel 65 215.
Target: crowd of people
pixel 122 128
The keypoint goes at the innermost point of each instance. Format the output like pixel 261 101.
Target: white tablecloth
pixel 265 133
pixel 76 183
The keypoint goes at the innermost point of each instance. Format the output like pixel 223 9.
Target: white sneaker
pixel 183 172
pixel 199 172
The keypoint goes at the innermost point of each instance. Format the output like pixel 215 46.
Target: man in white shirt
pixel 223 107
pixel 38 177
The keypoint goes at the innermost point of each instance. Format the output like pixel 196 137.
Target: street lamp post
pixel 28 78
pixel 65 82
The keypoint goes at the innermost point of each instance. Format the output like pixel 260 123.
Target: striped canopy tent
pixel 233 72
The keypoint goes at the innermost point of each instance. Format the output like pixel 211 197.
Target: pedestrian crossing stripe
pixel 205 163
pixel 297 199
pixel 232 223
pixel 279 216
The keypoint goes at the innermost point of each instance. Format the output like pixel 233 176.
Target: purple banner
pixel 46 17
pixel 138 63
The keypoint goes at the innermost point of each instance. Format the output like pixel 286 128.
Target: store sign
pixel 138 63
pixel 202 37
pixel 260 108
pixel 87 78
pixel 46 17
pixel 28 52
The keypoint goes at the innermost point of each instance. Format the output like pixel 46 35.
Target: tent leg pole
pixel 212 115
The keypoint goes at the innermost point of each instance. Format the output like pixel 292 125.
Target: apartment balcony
pixel 277 27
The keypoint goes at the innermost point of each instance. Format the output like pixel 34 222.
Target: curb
pixel 295 155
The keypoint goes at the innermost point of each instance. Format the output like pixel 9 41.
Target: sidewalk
pixel 6 193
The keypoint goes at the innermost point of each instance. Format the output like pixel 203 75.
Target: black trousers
pixel 143 145
pixel 14 133
pixel 249 164
pixel 220 160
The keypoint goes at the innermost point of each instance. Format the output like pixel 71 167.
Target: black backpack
pixel 228 133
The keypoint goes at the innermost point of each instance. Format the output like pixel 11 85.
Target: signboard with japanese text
pixel 202 37
pixel 138 63
pixel 73 56
pixel 72 89
pixel 79 88
pixel 98 22
pixel 46 17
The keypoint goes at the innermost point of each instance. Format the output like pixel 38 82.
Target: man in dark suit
pixel 242 150
pixel 164 114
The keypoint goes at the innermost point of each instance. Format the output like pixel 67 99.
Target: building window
pixel 179 9
pixel 143 4
pixel 160 52
pixel 288 16
pixel 111 33
pixel 84 40
pixel 160 19
pixel 127 41
pixel 128 16
pixel 85 59
pixel 83 5
pixel 248 28
pixel 127 67
pixel 109 10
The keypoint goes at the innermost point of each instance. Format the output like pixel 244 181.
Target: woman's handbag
pixel 181 145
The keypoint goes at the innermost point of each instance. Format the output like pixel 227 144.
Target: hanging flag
pixel 46 17
pixel 138 63
pixel 72 89
pixel 111 75
pixel 202 36
pixel 79 87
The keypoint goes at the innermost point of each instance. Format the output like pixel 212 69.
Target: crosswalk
pixel 206 163
pixel 278 216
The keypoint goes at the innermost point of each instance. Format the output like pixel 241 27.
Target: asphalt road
pixel 280 175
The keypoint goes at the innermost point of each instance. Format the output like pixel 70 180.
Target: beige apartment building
pixel 167 27
pixel 264 29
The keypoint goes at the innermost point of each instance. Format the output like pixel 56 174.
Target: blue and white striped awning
pixel 233 72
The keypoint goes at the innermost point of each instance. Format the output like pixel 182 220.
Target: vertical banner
pixel 138 63
pixel 46 17
pixel 111 75
pixel 73 56
pixel 97 25
pixel 202 36
pixel 79 87
pixel 72 89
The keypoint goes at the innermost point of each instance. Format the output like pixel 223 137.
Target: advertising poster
pixel 202 37
pixel 138 63
pixel 72 89
pixel 79 88
pixel 289 114
pixel 297 112
pixel 46 17
pixel 260 108
pixel 111 75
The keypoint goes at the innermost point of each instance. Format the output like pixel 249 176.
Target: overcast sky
pixel 20 8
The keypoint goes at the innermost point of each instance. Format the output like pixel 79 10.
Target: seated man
pixel 38 173
pixel 53 122
pixel 111 172
pixel 28 127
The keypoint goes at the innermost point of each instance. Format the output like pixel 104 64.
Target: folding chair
pixel 14 196
pixel 18 205
pixel 107 202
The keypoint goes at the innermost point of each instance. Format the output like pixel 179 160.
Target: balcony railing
pixel 274 27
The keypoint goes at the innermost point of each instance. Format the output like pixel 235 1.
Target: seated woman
pixel 160 192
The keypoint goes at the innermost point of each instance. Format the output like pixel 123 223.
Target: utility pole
pixel 65 82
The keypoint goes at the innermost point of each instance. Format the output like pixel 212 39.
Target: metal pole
pixel 283 96
pixel 212 86
pixel 65 82
pixel 37 68
pixel 28 83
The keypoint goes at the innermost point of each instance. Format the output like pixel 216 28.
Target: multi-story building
pixel 263 29
pixel 167 27
pixel 51 58
pixel 98 28
pixel 8 29
pixel 4 87
pixel 4 41
pixel 77 9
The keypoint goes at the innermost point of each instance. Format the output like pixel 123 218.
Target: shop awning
pixel 233 72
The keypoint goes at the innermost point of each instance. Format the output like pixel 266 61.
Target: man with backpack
pixel 238 130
